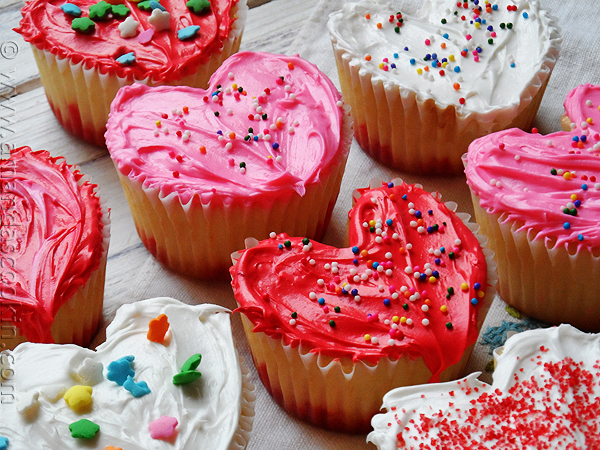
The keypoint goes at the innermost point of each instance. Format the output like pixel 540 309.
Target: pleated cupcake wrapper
pixel 197 239
pixel 397 127
pixel 77 320
pixel 545 281
pixel 339 394
pixel 80 97
pixel 247 401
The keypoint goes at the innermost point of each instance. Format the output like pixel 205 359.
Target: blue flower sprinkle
pixel 156 5
pixel 188 32
pixel 71 9
pixel 126 59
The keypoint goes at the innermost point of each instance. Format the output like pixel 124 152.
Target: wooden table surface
pixel 26 119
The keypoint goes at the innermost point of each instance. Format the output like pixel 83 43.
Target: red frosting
pixel 280 283
pixel 163 59
pixel 51 238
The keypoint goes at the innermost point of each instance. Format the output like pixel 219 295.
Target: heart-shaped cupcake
pixel 263 148
pixel 422 87
pixel 55 234
pixel 538 197
pixel 544 395
pixel 124 394
pixel 411 286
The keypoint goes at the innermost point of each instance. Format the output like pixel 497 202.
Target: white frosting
pixel 524 399
pixel 532 44
pixel 214 412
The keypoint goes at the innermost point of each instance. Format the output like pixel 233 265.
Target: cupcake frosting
pixel 545 394
pixel 477 57
pixel 162 40
pixel 549 185
pixel 52 238
pixel 212 411
pixel 411 283
pixel 267 124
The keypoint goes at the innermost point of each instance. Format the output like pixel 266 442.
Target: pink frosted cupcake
pixel 55 233
pixel 537 198
pixel 263 149
pixel 332 330
pixel 86 50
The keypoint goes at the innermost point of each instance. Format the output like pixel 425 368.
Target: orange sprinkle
pixel 367 16
pixel 203 150
pixel 368 57
pixel 291 65
pixel 426 68
pixel 443 45
pixel 186 110
pixel 402 250
pixel 407 294
pixel 370 263
pixel 338 290
pixel 580 144
pixel 157 328
pixel 232 135
pixel 420 222
pixel 428 302
pixel 456 86
pixel 392 197
pixel 379 25
pixel 110 447
pixel 364 253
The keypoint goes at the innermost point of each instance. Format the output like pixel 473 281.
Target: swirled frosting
pixel 213 412
pixel 267 125
pixel 545 394
pixel 411 283
pixel 52 238
pixel 476 57
pixel 162 59
pixel 549 185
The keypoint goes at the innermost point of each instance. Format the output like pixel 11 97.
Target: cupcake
pixel 537 198
pixel 55 233
pixel 332 330
pixel 167 377
pixel 263 149
pixel 88 49
pixel 545 394
pixel 422 87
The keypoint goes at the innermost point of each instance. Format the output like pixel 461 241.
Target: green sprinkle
pixel 490 41
pixel 449 325
pixel 264 116
pixel 451 255
pixel 444 21
pixel 332 323
pixel 83 25
pixel 84 429
pixel 451 290
pixel 242 164
pixel 187 377
pixel 509 25
pixel 294 315
pixel 503 25
pixel 553 171
pixel 337 309
pixel 119 11
pixel 217 113
pixel 100 10
pixel 306 241
pixel 288 244
pixel 405 306
pixel 198 6
pixel 192 362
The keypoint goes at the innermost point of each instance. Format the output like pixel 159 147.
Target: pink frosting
pixel 531 179
pixel 274 282
pixel 170 138
pixel 51 239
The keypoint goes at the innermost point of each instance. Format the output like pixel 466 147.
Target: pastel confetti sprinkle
pixel 126 59
pixel 71 9
pixel 160 20
pixel 79 398
pixel 27 401
pixel 188 372
pixel 3 443
pixel 100 10
pixel 84 429
pixel 89 372
pixel 119 11
pixel 188 32
pixel 83 25
pixel 128 28
pixel 146 36
pixel 163 427
pixel 120 369
pixel 138 389
pixel 198 6
pixel 156 5
pixel 157 328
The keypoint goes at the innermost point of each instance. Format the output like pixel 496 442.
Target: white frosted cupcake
pixel 263 149
pixel 167 377
pixel 332 330
pixel 86 50
pixel 55 234
pixel 537 198
pixel 422 87
pixel 545 394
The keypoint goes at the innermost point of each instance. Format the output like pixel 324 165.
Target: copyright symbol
pixel 9 50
